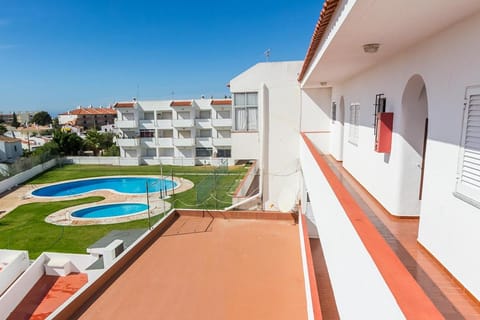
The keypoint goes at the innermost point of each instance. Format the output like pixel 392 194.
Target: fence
pixel 135 161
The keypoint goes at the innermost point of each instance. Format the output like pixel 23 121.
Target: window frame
pixel 354 128
pixel 249 127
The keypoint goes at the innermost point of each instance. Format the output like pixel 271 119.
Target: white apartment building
pixel 180 132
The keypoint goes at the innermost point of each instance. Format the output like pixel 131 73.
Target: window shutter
pixel 468 181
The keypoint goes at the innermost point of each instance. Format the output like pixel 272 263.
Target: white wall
pixel 316 109
pixel 279 126
pixel 12 264
pixel 25 175
pixel 343 249
pixel 448 62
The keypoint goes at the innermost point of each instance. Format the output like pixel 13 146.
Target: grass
pixel 25 229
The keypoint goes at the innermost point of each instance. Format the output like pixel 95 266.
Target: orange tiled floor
pixel 47 295
pixel 401 235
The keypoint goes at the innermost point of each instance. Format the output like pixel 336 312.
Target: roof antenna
pixel 267 54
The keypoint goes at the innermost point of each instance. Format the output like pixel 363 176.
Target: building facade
pixel 182 132
pixel 10 149
pixel 88 118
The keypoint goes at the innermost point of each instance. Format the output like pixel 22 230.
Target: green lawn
pixel 24 228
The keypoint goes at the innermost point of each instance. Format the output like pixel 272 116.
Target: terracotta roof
pixel 185 103
pixel 8 139
pixel 223 102
pixel 82 111
pixel 326 15
pixel 124 105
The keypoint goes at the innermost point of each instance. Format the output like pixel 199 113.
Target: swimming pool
pixel 128 185
pixel 110 210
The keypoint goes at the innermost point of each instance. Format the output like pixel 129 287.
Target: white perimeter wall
pixel 448 62
pixel 17 179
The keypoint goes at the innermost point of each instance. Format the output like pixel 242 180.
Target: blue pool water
pixel 130 185
pixel 110 210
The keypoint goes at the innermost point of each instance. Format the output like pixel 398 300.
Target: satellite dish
pixel 286 201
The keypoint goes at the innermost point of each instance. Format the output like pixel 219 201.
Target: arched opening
pixel 413 128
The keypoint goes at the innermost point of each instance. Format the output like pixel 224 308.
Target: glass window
pixel 203 152
pixel 245 111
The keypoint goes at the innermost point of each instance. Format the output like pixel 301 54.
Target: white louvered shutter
pixel 468 181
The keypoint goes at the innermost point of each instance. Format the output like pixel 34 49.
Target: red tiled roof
pixel 326 14
pixel 224 102
pixel 185 103
pixel 124 105
pixel 82 111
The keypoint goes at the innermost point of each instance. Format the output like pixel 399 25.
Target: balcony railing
pixel 222 122
pixel 203 123
pixel 148 142
pixel 204 142
pixel 184 142
pixel 165 142
pixel 164 124
pixel 128 142
pixel 183 123
pixel 126 124
pixel 147 124
pixel 222 141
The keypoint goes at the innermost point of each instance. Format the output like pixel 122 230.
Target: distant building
pixel 88 118
pixel 184 132
pixel 6 117
pixel 10 149
pixel 25 117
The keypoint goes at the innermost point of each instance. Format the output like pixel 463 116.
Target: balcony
pixel 183 123
pixel 204 142
pixel 203 123
pixel 164 124
pixel 148 142
pixel 147 124
pixel 222 122
pixel 219 142
pixel 184 142
pixel 128 142
pixel 124 124
pixel 165 142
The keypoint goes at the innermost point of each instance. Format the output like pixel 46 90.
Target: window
pixel 205 133
pixel 203 152
pixel 224 153
pixel 147 133
pixel 354 116
pixel 468 177
pixel 245 111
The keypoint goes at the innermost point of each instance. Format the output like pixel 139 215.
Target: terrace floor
pixel 211 268
pixel 47 295
pixel 401 235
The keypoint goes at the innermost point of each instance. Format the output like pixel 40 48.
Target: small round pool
pixel 129 185
pixel 110 210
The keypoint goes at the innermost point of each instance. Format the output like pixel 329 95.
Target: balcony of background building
pixel 204 142
pixel 128 142
pixel 203 123
pixel 217 142
pixel 165 142
pixel 146 124
pixel 164 123
pixel 184 142
pixel 183 123
pixel 222 122
pixel 121 124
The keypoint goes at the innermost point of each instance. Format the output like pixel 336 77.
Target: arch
pixel 413 128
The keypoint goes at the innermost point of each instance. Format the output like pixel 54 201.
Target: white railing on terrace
pixel 147 124
pixel 164 124
pixel 204 142
pixel 165 142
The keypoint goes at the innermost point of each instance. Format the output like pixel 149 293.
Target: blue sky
pixel 55 55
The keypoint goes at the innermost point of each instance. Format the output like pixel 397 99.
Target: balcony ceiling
pixel 395 24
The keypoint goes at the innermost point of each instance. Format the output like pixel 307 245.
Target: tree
pixel 42 118
pixel 68 143
pixel 93 141
pixel 3 129
pixel 55 124
pixel 15 122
